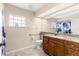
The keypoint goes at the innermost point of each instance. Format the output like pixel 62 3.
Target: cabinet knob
pixel 72 45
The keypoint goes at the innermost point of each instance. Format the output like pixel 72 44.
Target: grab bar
pixel 33 34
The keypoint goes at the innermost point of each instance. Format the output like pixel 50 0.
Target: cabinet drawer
pixel 60 41
pixel 72 45
pixel 57 41
pixel 52 44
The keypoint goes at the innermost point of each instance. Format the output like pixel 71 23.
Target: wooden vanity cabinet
pixel 59 47
pixel 56 46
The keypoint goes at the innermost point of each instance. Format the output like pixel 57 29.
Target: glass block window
pixel 17 21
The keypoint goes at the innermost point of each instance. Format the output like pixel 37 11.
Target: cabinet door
pixel 45 44
pixel 51 49
pixel 72 45
pixel 71 52
pixel 59 50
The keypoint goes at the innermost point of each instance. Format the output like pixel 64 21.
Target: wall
pixel 17 37
pixel 52 25
pixel 74 23
pixel 39 25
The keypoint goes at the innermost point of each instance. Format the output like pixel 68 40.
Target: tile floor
pixel 33 51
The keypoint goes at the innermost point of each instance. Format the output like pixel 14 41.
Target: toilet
pixel 37 41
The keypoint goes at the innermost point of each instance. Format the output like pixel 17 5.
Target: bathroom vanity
pixel 60 46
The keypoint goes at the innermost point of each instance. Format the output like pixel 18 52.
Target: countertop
pixel 69 37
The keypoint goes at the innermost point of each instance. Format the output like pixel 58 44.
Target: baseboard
pixel 20 49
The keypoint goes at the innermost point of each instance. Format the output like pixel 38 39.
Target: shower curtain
pixel 2 32
pixel 3 35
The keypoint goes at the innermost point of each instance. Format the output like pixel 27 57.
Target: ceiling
pixel 29 6
pixel 62 10
pixel 59 11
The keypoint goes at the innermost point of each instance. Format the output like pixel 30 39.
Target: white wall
pixel 75 26
pixel 17 38
pixel 39 25
pixel 52 25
